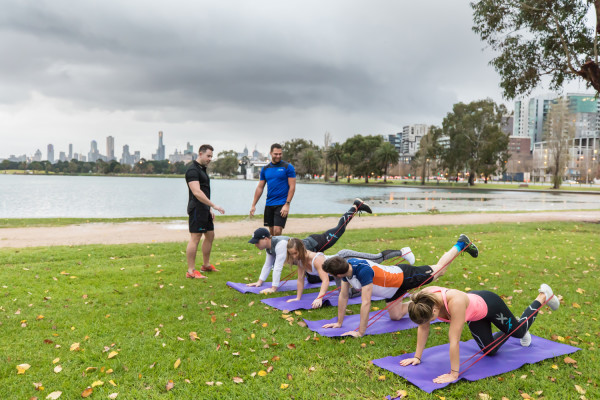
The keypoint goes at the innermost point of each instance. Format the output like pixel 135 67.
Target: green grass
pixel 121 296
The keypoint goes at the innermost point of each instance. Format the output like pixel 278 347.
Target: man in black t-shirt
pixel 200 214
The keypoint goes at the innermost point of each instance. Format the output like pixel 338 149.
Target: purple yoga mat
pixel 436 361
pixel 306 302
pixel 286 287
pixel 351 322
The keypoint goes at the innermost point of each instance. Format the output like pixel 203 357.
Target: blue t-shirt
pixel 276 176
pixel 361 271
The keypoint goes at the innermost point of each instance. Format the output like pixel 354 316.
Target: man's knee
pixel 195 238
pixel 277 230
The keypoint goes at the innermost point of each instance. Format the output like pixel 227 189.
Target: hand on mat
pixel 333 325
pixel 317 303
pixel 410 361
pixel 268 291
pixel 294 299
pixel 254 284
pixel 352 333
pixel 451 377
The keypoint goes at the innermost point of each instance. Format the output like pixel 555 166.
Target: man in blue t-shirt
pixel 280 178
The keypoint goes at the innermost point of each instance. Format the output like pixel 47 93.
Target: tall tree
pixel 310 162
pixel 335 155
pixel 359 154
pixel 559 131
pixel 429 151
pixel 386 155
pixel 226 164
pixel 326 144
pixel 293 148
pixel 476 138
pixel 537 38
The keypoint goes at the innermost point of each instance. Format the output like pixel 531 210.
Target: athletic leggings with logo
pixel 499 315
pixel 324 241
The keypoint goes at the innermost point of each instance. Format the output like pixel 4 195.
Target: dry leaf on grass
pixel 54 395
pixel 87 392
pixel 97 383
pixel 75 347
pixel 569 360
pixel 113 396
pixel 237 379
pixel 112 354
pixel 57 369
pixel 169 385
pixel 177 363
pixel 21 368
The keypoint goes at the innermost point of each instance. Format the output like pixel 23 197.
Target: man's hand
pixel 317 303
pixel 219 209
pixel 268 291
pixel 451 377
pixel 252 211
pixel 333 325
pixel 285 210
pixel 352 333
pixel 290 300
pixel 254 284
pixel 410 361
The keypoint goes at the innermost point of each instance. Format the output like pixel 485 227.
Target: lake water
pixel 41 196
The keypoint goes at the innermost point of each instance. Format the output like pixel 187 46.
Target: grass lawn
pixel 128 311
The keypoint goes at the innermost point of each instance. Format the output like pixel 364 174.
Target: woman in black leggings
pixel 480 309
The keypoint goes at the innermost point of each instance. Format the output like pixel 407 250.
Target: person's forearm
pixel 291 192
pixel 203 199
pixel 455 356
pixel 422 334
pixel 364 317
pixel 257 193
pixel 300 286
pixel 342 303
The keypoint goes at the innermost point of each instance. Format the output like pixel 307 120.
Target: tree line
pixel 98 167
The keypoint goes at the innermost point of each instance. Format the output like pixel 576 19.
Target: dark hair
pixel 420 309
pixel 300 248
pixel 335 266
pixel 275 146
pixel 205 147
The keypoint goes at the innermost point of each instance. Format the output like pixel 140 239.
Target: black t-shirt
pixel 197 172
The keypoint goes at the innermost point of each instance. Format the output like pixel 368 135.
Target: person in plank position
pixel 479 309
pixel 310 263
pixel 276 246
pixel 388 281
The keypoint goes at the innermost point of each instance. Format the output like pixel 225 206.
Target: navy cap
pixel 260 233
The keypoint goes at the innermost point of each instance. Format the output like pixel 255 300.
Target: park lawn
pixel 134 300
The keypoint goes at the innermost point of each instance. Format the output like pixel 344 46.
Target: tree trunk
pixel 336 171
pixel 423 172
pixel 471 179
pixel 385 174
pixel 366 178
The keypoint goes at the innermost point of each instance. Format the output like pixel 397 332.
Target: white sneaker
pixel 526 340
pixel 553 303
pixel 408 255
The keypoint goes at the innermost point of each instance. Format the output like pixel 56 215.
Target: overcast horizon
pixel 232 74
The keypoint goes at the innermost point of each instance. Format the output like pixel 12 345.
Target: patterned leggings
pixel 499 315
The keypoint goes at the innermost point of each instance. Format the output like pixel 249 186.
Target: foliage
pixel 293 149
pixel 477 142
pixel 429 151
pixel 537 38
pixel 559 131
pixel 335 155
pixel 309 163
pixel 359 155
pixel 386 155
pixel 136 301
pixel 226 164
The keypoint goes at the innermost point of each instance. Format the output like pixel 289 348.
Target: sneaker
pixel 362 206
pixel 352 293
pixel 526 340
pixel 471 248
pixel 408 255
pixel 210 268
pixel 194 275
pixel 553 303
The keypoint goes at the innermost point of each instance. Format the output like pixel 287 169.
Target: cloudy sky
pixel 230 73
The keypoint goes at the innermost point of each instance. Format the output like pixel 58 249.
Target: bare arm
pixel 365 307
pixel 422 335
pixel 300 289
pixel 457 305
pixel 199 194
pixel 257 193
pixel 342 303
pixel 286 207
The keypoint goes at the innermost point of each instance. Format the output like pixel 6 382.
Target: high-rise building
pixel 93 154
pixel 411 139
pixel 37 156
pixel 62 156
pixel 126 158
pixel 50 154
pixel 110 148
pixel 70 151
pixel 160 152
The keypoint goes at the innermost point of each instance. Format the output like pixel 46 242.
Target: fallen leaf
pixel 525 396
pixel 39 317
pixel 54 395
pixel 579 389
pixel 210 383
pixel 218 383
pixel 193 336
pixel 575 305
pixel 484 396
pixel 180 317
pixel 291 346
pixel 21 368
pixel 284 386
pixel 569 360
pixel 75 347
pixel 57 369
pixel 87 392
pixel 250 304
pixel 112 354
pixel 113 396
pixel 177 363
pixel 169 385
pixel 88 369
pixel 265 325
pixel 289 377
pixel 109 371
pixel 237 379
pixel 213 319
pixel 97 383
pixel 381 378
pixel 262 372
pixel 554 366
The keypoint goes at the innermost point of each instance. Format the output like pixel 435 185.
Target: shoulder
pixel 192 173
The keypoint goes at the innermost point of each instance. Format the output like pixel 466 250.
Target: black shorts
pixel 413 277
pixel 200 220
pixel 273 216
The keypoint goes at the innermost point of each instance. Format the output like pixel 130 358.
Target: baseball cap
pixel 260 233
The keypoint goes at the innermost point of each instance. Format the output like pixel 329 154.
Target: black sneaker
pixel 471 248
pixel 362 206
